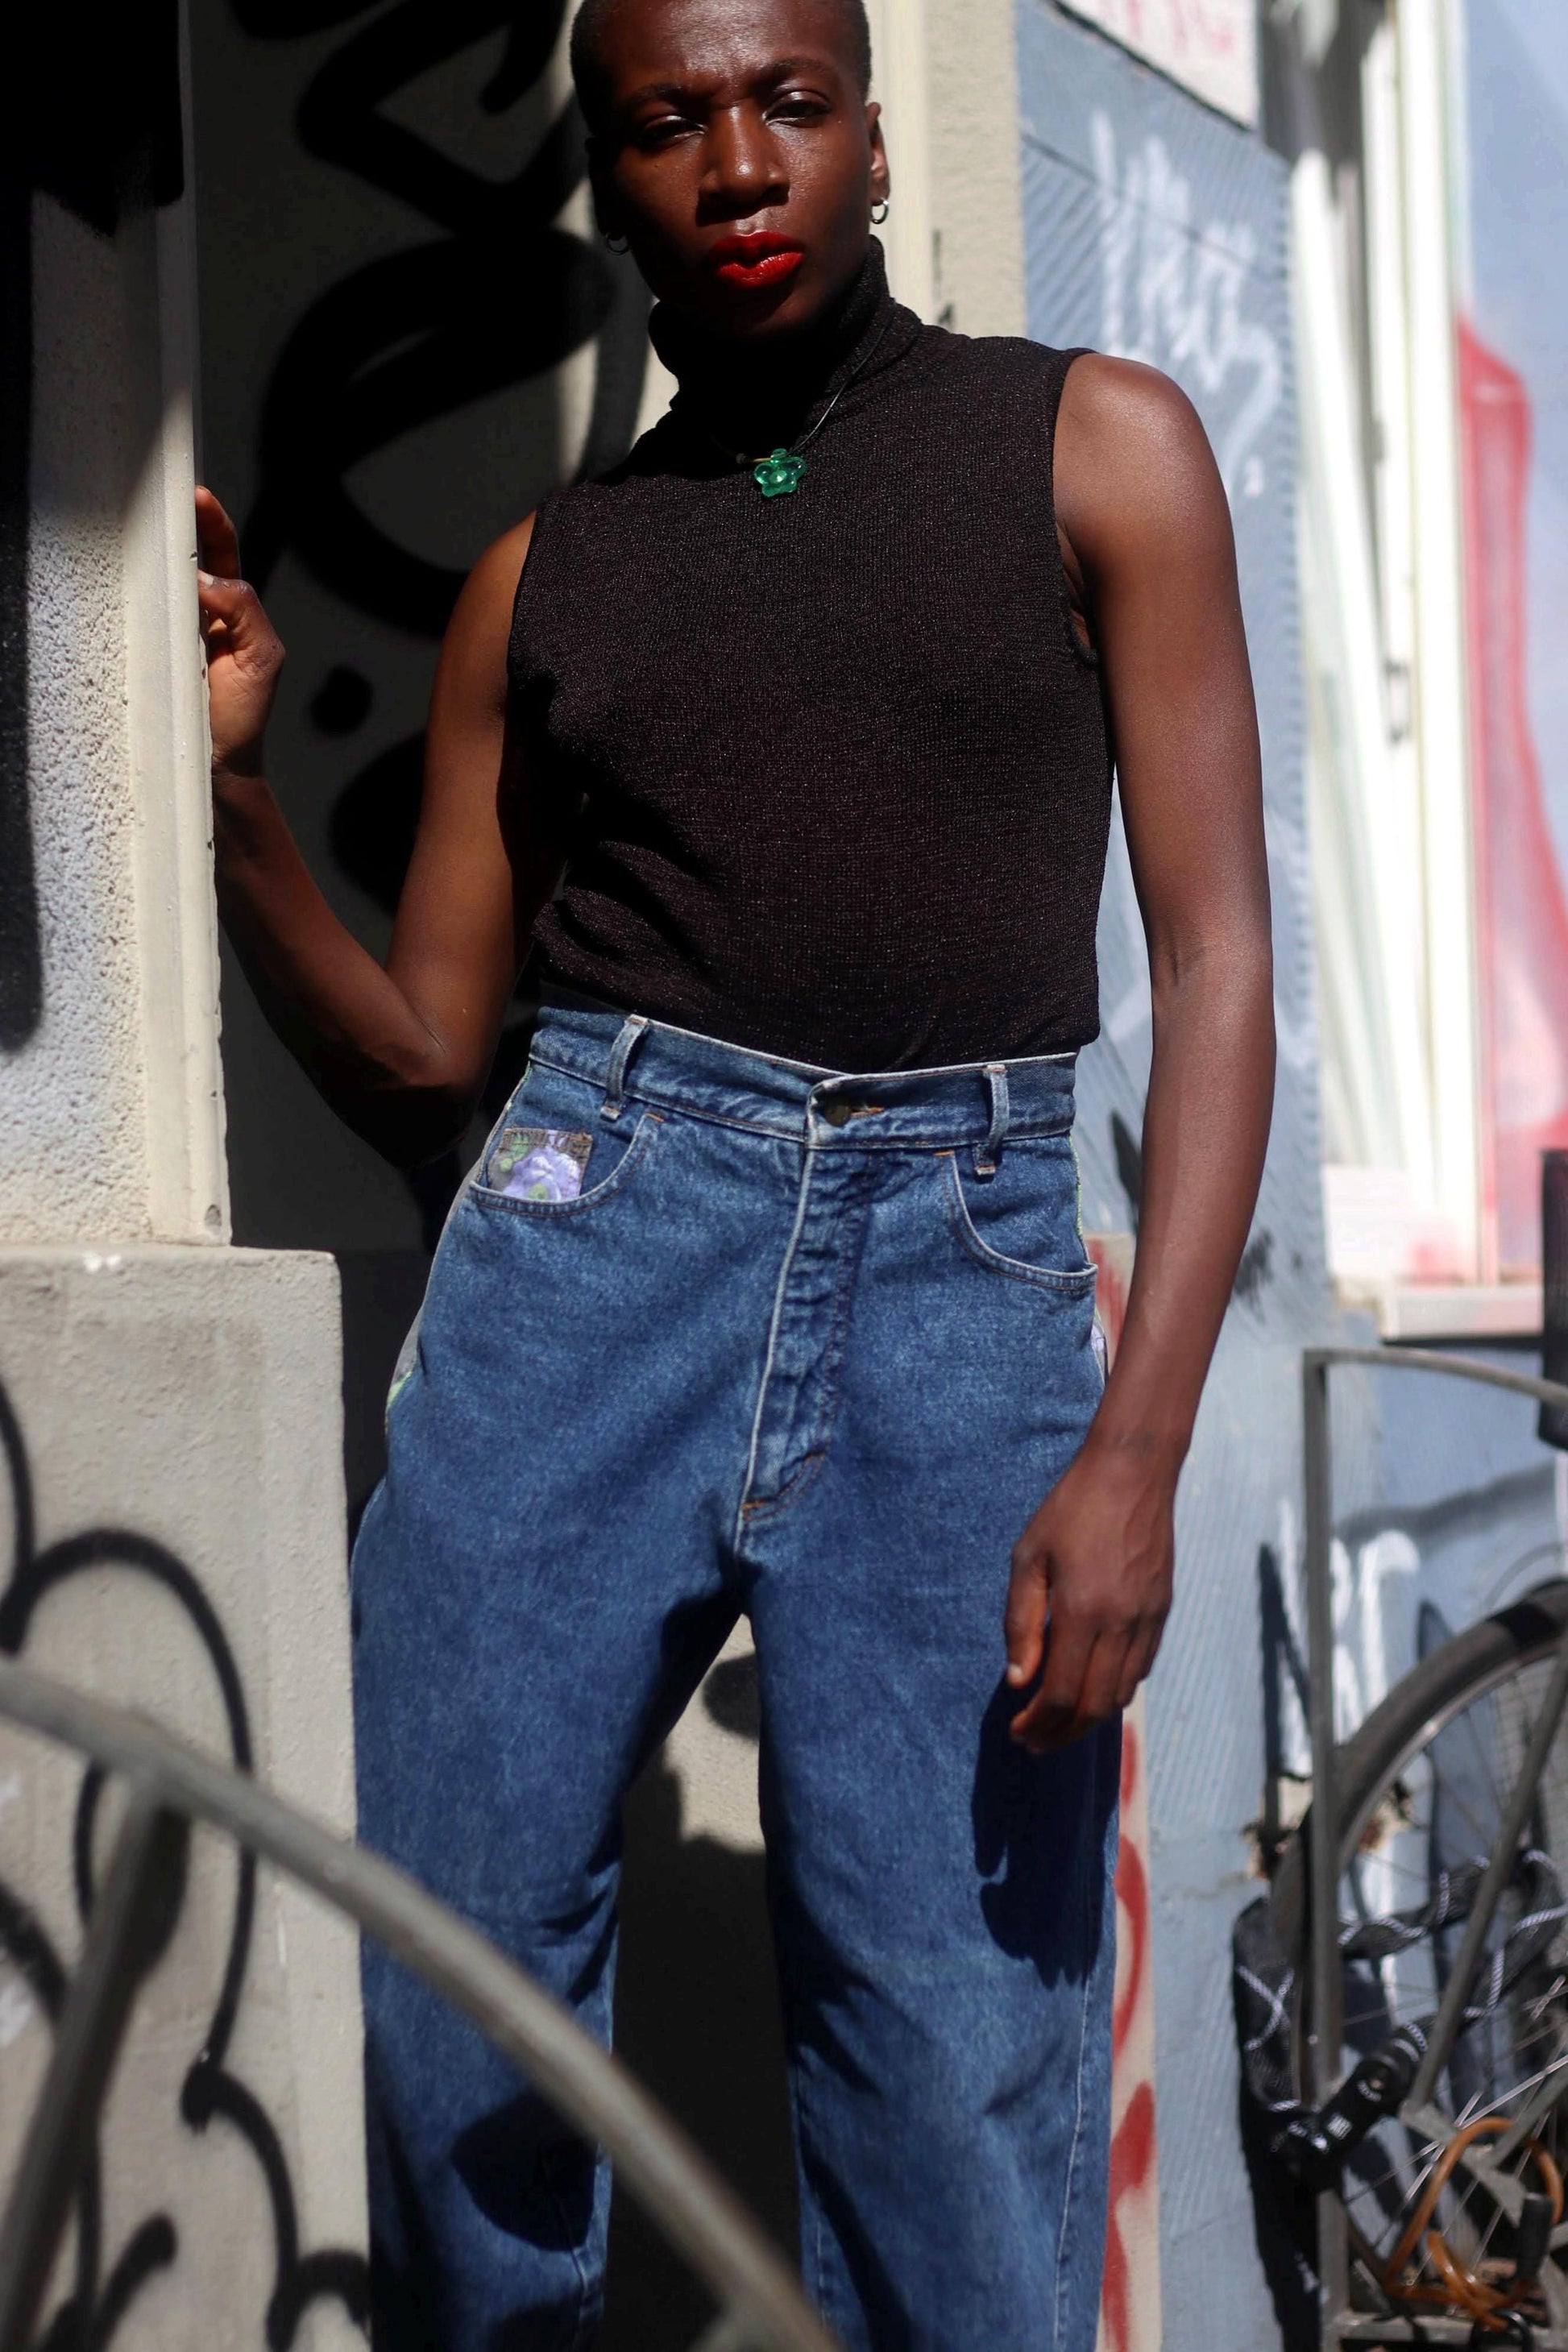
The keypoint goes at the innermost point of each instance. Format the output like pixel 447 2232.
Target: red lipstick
pixel 762 259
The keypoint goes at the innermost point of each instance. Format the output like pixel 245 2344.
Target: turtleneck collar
pixel 724 383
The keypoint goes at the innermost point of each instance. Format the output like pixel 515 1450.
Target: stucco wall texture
pixel 172 1505
pixel 71 1101
pixel 171 1537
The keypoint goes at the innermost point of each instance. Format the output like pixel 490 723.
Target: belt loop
pixel 988 1153
pixel 621 1053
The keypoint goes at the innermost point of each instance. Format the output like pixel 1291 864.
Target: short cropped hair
pixel 593 18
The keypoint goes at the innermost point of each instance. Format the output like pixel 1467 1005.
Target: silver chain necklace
pixel 778 475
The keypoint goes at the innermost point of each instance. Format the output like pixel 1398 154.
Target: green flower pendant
pixel 778 476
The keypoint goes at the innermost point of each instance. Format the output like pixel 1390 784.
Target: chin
pixel 762 317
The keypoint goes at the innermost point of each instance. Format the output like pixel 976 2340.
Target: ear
pixel 881 179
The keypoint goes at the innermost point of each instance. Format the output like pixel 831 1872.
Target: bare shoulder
pixel 494 578
pixel 1121 410
pixel 474 653
pixel 1131 456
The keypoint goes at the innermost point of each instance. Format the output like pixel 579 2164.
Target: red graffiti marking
pixel 1132 2158
pixel 1132 2144
pixel 1133 1899
pixel 1522 914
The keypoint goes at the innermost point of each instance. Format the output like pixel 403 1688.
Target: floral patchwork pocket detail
pixel 538 1163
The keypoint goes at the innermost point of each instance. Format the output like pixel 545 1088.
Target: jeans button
pixel 837 1113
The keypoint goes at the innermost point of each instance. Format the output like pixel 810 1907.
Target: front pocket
pixel 625 1156
pixel 1023 1221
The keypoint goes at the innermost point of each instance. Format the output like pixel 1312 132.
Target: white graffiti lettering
pixel 1172 296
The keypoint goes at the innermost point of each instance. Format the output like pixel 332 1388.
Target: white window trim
pixel 1441 703
pixel 1449 1310
pixel 1384 587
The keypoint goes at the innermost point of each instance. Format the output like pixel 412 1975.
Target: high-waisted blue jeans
pixel 812 1346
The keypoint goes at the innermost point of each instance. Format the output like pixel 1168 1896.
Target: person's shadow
pixel 697 2019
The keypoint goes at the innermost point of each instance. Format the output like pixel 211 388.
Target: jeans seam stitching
pixel 818 2281
pixel 761 1514
pixel 684 1109
pixel 1069 2182
pixel 1063 1280
pixel 547 1212
pixel 774 1321
pixel 837 1335
pixel 754 1515
pixel 579 2319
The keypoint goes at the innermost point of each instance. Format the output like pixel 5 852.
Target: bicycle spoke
pixel 1440 1811
pixel 1425 2158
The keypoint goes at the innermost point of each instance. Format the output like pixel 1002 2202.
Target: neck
pixel 756 396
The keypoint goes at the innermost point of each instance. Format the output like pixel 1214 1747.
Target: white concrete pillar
pixel 172 1518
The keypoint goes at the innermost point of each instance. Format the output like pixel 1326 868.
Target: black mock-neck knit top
pixel 837 763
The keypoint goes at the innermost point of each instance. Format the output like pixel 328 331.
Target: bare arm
pixel 1149 543
pixel 400 1050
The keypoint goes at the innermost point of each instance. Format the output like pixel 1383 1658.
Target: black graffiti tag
pixel 210 2092
pixel 501 295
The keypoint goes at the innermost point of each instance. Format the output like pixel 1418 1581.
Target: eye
pixel 661 129
pixel 797 106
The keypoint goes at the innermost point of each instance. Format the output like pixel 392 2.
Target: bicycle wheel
pixel 1422 1785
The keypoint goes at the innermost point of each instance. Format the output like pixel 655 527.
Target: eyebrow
pixel 776 69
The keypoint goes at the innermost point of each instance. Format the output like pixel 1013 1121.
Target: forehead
pixel 648 42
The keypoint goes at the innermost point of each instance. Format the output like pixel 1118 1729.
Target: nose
pixel 743 168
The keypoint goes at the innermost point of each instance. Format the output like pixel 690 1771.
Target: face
pixel 738 157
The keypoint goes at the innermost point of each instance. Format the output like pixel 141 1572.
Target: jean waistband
pixel 638 1060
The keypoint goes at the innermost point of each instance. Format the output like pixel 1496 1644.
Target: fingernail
pixel 1014 1673
pixel 207 578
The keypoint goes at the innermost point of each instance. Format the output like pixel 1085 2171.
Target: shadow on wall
pixel 697 2017
pixel 386 387
pixel 377 408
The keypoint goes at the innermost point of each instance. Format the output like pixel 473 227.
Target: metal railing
pixel 170 1784
pixel 1339 2324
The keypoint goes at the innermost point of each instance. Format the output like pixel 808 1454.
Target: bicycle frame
pixel 761 2309
pixel 1338 2325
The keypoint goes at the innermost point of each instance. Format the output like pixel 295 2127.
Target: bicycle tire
pixel 1460 1674
pixel 1457 1673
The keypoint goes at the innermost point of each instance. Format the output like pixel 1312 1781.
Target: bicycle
pixel 1402 1988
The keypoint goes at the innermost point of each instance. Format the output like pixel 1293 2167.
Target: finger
pixel 1141 1657
pixel 217 542
pixel 1094 1702
pixel 1025 1623
pixel 235 603
pixel 1098 1700
pixel 1068 1647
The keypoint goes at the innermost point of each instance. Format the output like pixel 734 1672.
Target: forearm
pixel 1204 1133
pixel 365 1046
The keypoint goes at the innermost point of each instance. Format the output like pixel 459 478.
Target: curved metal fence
pixel 170 1784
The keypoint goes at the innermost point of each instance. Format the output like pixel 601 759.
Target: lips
pixel 754 261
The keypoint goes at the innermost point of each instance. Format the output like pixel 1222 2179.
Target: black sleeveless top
pixel 839 763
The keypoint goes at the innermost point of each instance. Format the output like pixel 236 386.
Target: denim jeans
pixel 812 1346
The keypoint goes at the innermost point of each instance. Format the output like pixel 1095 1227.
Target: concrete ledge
pixel 1455 1311
pixel 172 1535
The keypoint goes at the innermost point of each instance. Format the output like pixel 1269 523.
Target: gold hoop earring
pixel 880 213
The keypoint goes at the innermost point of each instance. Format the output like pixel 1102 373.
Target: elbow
pixel 1238 963
pixel 416 1124
pixel 415 1108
